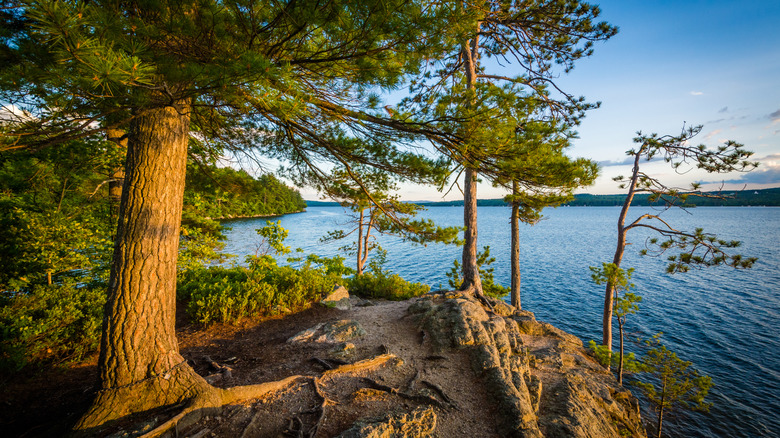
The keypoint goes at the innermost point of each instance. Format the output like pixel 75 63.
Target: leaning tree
pixel 694 247
pixel 294 78
pixel 479 102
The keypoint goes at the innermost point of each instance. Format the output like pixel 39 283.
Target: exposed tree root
pixel 441 393
pixel 419 398
pixel 478 294
pixel 362 365
pixel 184 387
pixel 200 406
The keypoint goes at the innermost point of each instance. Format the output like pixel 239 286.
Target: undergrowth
pixel 380 283
pixel 218 294
pixel 49 325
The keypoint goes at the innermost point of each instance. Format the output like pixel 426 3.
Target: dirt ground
pixel 406 373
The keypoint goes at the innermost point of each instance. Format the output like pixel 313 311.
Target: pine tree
pixel 538 175
pixel 673 382
pixel 484 110
pixel 292 78
pixel 696 248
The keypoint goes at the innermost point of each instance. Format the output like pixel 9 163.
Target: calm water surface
pixel 723 320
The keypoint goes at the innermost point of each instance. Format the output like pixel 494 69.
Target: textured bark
pixel 515 274
pixel 140 365
pixel 471 280
pixel 117 176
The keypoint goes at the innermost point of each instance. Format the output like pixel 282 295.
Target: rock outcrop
pixel 543 382
pixel 419 423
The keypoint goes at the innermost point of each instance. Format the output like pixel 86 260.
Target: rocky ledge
pixel 441 365
pixel 541 379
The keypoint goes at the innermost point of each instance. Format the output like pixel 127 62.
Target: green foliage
pixel 694 248
pixel 54 220
pixel 272 239
pixel 333 267
pixel 374 210
pixel 614 276
pixel 671 382
pixel 609 358
pixel 49 324
pixel 489 286
pixel 201 242
pixel 380 283
pixel 227 295
pixel 225 192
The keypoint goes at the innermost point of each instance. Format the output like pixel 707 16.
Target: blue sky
pixel 711 63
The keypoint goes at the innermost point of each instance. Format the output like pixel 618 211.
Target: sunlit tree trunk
pixel 360 260
pixel 515 286
pixel 661 409
pixel 620 358
pixel 609 293
pixel 117 176
pixel 140 365
pixel 471 280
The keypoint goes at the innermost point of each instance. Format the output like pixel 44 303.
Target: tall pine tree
pixel 294 78
pixel 480 105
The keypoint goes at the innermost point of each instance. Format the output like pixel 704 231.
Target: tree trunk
pixel 620 359
pixel 661 409
pixel 140 365
pixel 619 250
pixel 117 176
pixel 515 288
pixel 360 259
pixel 471 280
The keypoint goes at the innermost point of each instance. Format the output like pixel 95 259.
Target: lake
pixel 723 320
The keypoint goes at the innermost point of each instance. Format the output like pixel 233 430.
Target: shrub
pixel 380 283
pixel 489 286
pixel 227 295
pixel 387 286
pixel 49 324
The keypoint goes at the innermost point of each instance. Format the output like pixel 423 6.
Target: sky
pixel 712 63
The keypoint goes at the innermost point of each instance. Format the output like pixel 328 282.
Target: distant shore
pixel 256 216
pixel 726 198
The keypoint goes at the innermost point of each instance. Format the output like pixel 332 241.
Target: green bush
pixel 489 286
pixel 227 295
pixel 49 324
pixel 386 286
pixel 381 283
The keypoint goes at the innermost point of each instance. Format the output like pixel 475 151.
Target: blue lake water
pixel 726 321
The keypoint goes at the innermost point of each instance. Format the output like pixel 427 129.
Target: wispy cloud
pixel 775 115
pixel 697 93
pixel 712 134
pixel 725 109
pixel 609 163
pixel 767 172
pixel 629 160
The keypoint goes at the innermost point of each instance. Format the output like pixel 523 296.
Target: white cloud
pixel 697 93
pixel 712 134
pixel 767 172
